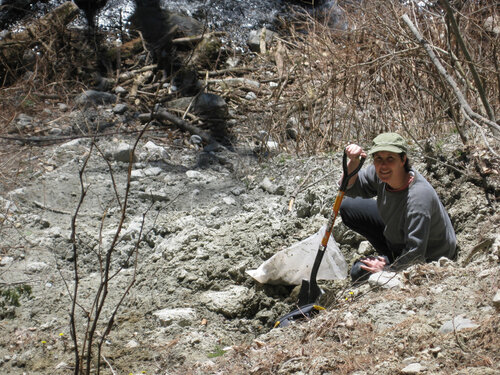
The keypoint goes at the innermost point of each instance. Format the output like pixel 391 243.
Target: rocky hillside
pixel 204 219
pixel 135 228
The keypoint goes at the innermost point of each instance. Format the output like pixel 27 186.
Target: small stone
pixel 91 97
pixel 365 248
pixel 457 324
pixel 215 211
pixel 123 153
pixel 194 174
pixel 233 61
pixel 250 96
pixel 255 37
pixel 119 90
pixel 154 152
pixel 231 302
pixel 120 109
pixel 272 145
pixel 195 139
pixel 210 106
pixel 386 280
pixel 35 267
pixel 229 201
pixel 271 188
pixel 70 144
pixel 132 344
pixel 55 131
pixel 6 260
pixel 496 300
pixel 61 365
pixel 492 25
pixel 292 133
pixel 153 171
pixel 444 262
pixel 237 191
pixel 409 360
pixel 435 350
pixel 413 368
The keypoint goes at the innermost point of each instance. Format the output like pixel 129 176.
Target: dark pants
pixel 362 216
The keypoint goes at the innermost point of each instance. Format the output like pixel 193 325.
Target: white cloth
pixel 293 264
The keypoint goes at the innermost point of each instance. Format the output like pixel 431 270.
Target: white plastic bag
pixel 291 265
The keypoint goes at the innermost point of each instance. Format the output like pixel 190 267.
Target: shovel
pixel 309 290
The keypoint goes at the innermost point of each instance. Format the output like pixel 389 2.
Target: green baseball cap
pixel 391 142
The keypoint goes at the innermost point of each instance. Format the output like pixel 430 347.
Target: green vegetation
pixel 216 353
pixel 10 298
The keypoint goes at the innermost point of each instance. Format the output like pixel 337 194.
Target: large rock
pixel 231 302
pixel 386 280
pixel 210 106
pixel 122 153
pixel 93 97
pixel 182 317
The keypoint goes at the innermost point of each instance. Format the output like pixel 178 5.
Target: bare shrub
pixel 337 86
pixel 98 308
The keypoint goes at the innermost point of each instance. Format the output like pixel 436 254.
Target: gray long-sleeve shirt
pixel 417 225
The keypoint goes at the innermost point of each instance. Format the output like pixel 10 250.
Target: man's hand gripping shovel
pixel 310 292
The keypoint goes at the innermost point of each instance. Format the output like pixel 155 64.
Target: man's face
pixel 389 167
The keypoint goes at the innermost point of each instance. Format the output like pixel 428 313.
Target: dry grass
pixel 338 344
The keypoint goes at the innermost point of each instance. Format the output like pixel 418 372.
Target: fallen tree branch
pixel 130 75
pixel 481 132
pixel 138 82
pixel 57 211
pixel 465 51
pixel 236 82
pixel 196 38
pixel 109 364
pixel 494 127
pixel 221 72
pixel 52 139
pixel 298 189
pixel 183 125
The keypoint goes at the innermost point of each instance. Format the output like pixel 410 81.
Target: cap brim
pixel 389 148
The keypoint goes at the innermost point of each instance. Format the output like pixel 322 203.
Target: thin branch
pixel 481 131
pixel 73 331
pixel 109 364
pixel 495 128
pixel 461 43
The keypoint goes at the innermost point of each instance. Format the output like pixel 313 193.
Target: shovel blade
pixel 309 292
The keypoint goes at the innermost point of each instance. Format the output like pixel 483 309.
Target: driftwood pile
pixel 200 98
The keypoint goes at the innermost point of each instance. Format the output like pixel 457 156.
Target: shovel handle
pixel 338 200
pixel 335 212
pixel 347 176
pixel 331 221
pixel 310 291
